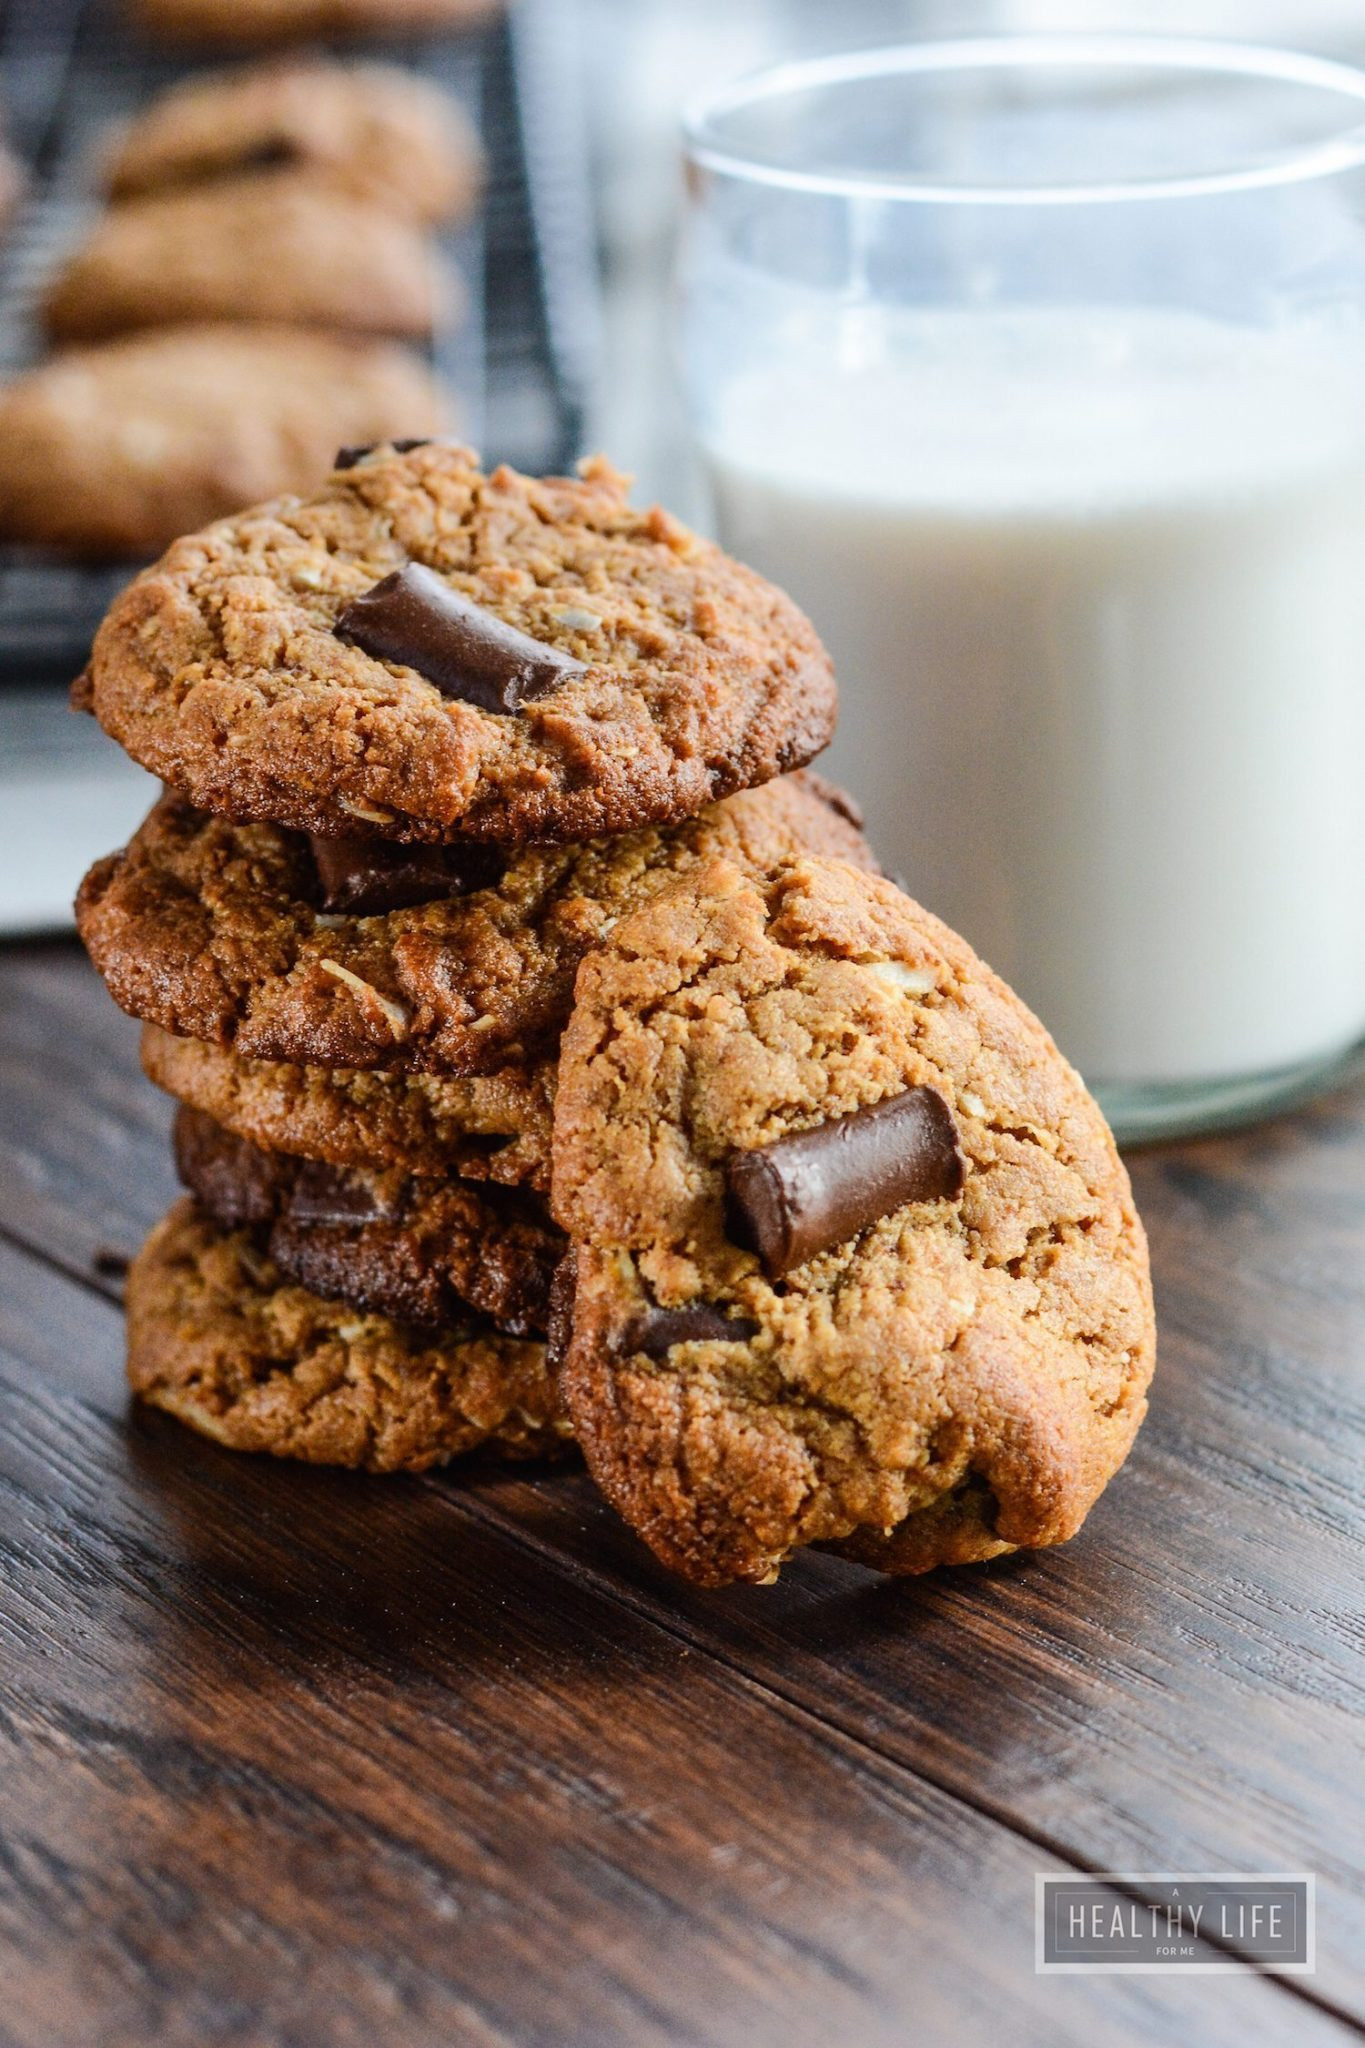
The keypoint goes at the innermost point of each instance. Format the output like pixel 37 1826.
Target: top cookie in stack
pixel 427 736
pixel 434 655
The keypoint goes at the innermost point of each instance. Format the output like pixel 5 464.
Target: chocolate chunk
pixel 347 458
pixel 800 1195
pixel 365 877
pixel 236 1182
pixel 264 156
pixel 559 1318
pixel 329 1194
pixel 241 1184
pixel 838 800
pixel 414 618
pixel 656 1330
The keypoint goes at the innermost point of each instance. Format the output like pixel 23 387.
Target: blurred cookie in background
pixel 275 247
pixel 370 130
pixel 244 22
pixel 116 450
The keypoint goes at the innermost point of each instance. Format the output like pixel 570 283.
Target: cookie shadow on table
pixel 820 1603
pixel 332 1570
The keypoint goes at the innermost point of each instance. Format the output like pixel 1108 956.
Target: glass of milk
pixel 1034 368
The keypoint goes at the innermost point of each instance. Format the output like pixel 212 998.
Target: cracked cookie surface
pixel 219 1339
pixel 959 1378
pixel 422 1249
pixel 214 930
pixel 220 669
pixel 493 1127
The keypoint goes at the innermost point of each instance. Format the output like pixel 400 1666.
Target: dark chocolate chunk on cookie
pixel 423 1250
pixel 855 1260
pixel 411 617
pixel 805 1193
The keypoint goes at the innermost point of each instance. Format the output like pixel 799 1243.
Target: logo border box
pixel 1126 1882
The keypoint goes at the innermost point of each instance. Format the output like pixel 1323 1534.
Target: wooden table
pixel 291 1756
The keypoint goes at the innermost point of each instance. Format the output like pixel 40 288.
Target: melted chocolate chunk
pixel 656 1330
pixel 365 877
pixel 414 618
pixel 559 1318
pixel 238 1183
pixel 800 1195
pixel 329 1194
pixel 347 458
pixel 269 155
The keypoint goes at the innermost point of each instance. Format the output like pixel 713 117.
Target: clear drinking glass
pixel 1035 368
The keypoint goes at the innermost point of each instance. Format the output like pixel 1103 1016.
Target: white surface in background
pixel 67 795
pixel 1326 27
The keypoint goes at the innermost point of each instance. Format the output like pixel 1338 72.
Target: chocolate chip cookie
pixel 495 1127
pixel 219 1338
pixel 278 247
pixel 431 653
pixel 371 130
pixel 247 22
pixel 365 954
pixel 856 1262
pixel 117 449
pixel 422 1249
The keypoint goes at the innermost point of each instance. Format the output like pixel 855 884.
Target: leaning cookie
pixel 430 653
pixel 493 1127
pixel 372 130
pixel 360 953
pixel 117 449
pixel 218 1338
pixel 278 247
pixel 423 1249
pixel 856 1262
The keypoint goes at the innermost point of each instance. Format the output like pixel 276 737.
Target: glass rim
pixel 1215 58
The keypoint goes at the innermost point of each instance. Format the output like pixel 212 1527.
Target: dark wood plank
pixel 1177 1689
pixel 291 1757
pixel 87 1163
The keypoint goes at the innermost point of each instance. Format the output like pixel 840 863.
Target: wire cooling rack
pixel 519 361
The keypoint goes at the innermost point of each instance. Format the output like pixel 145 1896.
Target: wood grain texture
pixel 297 1757
pixel 292 1757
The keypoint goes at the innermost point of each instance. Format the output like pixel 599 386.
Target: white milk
pixel 1096 595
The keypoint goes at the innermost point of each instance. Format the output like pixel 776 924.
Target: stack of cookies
pixel 242 305
pixel 554 1061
